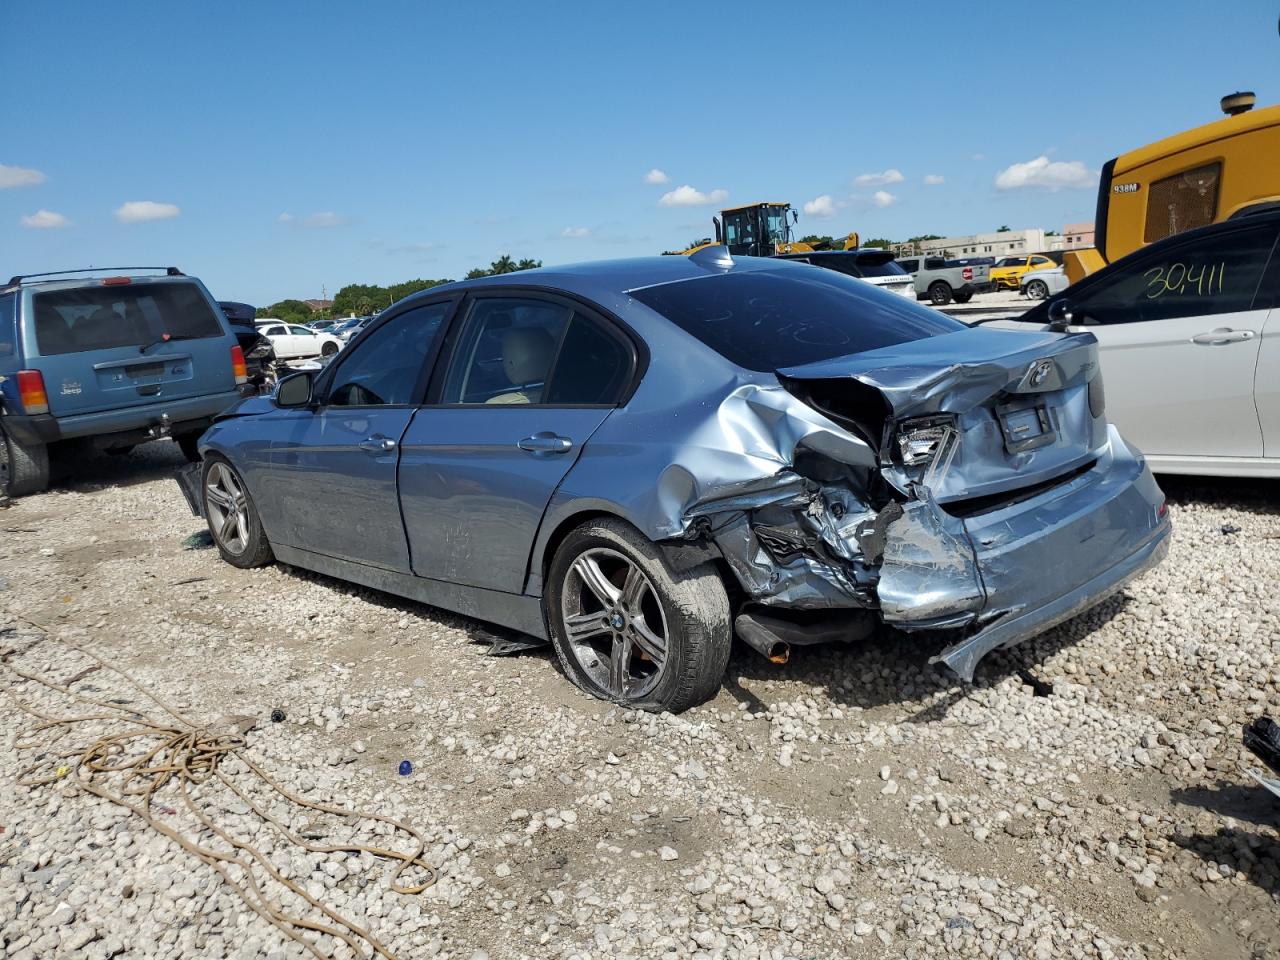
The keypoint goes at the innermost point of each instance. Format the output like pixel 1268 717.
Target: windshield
pixel 125 315
pixel 764 320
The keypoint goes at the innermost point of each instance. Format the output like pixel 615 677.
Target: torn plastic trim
pixel 963 657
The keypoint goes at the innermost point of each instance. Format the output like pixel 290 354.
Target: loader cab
pixel 756 230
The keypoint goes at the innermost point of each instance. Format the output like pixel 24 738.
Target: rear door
pixel 332 477
pixel 1266 389
pixel 530 379
pixel 120 343
pixel 1179 337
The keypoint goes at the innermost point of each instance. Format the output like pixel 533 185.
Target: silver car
pixel 1042 284
pixel 638 460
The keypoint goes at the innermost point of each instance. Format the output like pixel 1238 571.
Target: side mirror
pixel 294 391
pixel 1061 315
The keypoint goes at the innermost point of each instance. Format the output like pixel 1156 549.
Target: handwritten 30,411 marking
pixel 1198 279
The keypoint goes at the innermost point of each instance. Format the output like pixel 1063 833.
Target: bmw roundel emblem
pixel 1039 372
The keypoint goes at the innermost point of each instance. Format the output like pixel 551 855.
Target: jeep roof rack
pixel 14 281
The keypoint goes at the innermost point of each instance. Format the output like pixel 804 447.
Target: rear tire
pixel 1037 290
pixel 24 468
pixel 232 517
pixel 939 293
pixel 187 443
pixel 681 618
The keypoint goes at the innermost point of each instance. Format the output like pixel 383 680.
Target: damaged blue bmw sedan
pixel 638 460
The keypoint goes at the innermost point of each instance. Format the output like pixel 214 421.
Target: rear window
pixel 870 265
pixel 135 314
pixel 765 321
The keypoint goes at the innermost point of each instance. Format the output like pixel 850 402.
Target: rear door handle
pixel 378 444
pixel 1222 335
pixel 545 443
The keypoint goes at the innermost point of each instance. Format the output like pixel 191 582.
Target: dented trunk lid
pixel 970 415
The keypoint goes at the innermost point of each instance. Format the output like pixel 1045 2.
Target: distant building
pixel 996 244
pixel 1007 243
pixel 1075 236
pixel 316 305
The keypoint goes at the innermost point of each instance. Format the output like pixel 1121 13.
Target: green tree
pixel 290 311
pixel 880 243
pixel 815 240
pixel 475 273
pixel 528 264
pixel 398 291
pixel 504 264
pixel 350 298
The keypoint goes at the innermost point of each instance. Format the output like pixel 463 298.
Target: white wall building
pixel 996 244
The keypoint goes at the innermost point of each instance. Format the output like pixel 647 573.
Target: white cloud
pixel 821 207
pixel 656 177
pixel 687 196
pixel 879 179
pixel 933 179
pixel 575 232
pixel 139 211
pixel 45 220
pixel 19 177
pixel 326 218
pixel 1041 172
pixel 285 217
pixel 883 198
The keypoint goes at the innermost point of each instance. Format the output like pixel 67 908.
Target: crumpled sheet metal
pixel 928 575
pixel 741 458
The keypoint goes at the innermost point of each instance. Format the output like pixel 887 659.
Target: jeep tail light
pixel 967 273
pixel 238 367
pixel 31 392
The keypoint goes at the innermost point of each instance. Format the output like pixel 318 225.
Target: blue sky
pixel 275 148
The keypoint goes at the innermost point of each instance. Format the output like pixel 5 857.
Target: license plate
pixel 1025 426
pixel 143 371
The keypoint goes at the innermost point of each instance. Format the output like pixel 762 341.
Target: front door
pixel 530 380
pixel 334 473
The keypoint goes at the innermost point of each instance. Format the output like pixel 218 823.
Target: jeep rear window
pixel 874 265
pixel 128 315
pixel 765 321
pixel 8 325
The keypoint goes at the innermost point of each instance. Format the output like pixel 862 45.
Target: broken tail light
pixel 238 368
pixel 31 392
pixel 919 439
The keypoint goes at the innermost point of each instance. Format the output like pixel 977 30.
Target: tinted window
pixel 506 351
pixel 386 366
pixel 275 330
pixel 8 325
pixel 873 266
pixel 1215 274
pixel 300 331
pixel 135 314
pixel 911 266
pixel 593 365
pixel 764 320
pixel 1012 262
pixel 934 263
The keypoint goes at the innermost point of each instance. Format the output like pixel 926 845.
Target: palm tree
pixel 528 264
pixel 504 264
pixel 476 273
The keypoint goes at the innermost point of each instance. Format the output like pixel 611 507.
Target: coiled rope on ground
pixel 131 759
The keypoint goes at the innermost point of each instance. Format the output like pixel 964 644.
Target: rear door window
pixel 8 324
pixel 135 314
pixel 767 321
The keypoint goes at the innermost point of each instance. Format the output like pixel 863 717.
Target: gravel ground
pixel 1086 797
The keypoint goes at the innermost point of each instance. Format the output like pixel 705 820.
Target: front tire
pixel 188 444
pixel 232 517
pixel 629 629
pixel 939 293
pixel 1037 290
pixel 24 468
pixel 328 350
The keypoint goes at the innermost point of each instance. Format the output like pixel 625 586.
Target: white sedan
pixel 1189 337
pixel 292 341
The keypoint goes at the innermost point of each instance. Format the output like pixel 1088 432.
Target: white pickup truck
pixel 941 280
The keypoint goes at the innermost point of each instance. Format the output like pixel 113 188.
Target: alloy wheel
pixel 227 508
pixel 614 623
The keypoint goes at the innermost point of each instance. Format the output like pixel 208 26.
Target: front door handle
pixel 378 444
pixel 1222 335
pixel 545 443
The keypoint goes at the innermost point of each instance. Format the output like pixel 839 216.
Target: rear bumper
pixel 125 425
pixel 1014 628
pixel 1029 565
